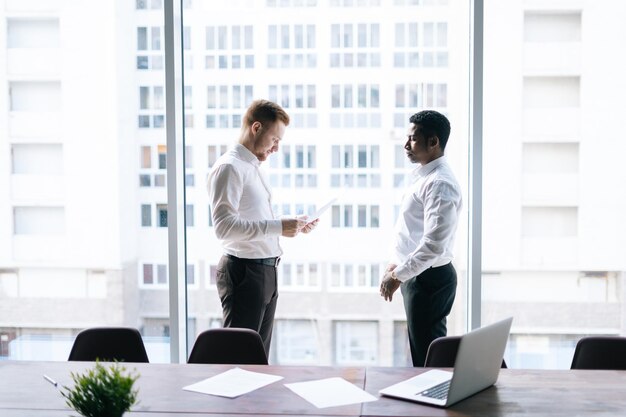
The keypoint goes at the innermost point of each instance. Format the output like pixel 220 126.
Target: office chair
pixel 109 344
pixel 442 352
pixel 600 352
pixel 228 346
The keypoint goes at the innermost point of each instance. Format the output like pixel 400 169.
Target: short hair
pixel 264 111
pixel 432 123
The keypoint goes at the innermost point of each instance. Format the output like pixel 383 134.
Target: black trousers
pixel 428 299
pixel 248 292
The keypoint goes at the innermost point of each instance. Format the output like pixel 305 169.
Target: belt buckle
pixel 276 262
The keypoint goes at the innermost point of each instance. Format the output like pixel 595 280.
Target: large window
pixel 553 238
pixel 86 212
pixel 83 189
pixel 350 106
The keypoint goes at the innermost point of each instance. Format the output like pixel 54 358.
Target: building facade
pixel 84 235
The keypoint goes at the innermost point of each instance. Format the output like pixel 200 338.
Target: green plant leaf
pixel 102 391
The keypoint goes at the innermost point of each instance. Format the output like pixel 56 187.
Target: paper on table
pixel 330 392
pixel 233 383
pixel 321 210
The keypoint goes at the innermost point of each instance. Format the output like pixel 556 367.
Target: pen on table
pixel 50 380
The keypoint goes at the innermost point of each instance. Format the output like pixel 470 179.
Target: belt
pixel 263 261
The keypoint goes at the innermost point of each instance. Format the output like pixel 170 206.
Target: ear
pixel 433 141
pixel 256 126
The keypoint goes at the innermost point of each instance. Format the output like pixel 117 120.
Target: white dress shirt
pixel 241 206
pixel 427 221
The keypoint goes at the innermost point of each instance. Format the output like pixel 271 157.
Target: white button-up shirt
pixel 427 221
pixel 241 206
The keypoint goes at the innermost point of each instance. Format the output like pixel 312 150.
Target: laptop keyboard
pixel 439 392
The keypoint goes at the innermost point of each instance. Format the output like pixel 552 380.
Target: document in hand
pixel 233 383
pixel 321 210
pixel 330 392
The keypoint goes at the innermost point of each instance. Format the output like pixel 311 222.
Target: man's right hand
pixel 291 227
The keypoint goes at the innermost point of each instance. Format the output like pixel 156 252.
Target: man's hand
pixel 291 227
pixel 390 284
pixel 308 227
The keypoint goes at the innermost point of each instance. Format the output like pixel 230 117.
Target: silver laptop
pixel 477 366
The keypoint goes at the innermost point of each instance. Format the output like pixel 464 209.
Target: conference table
pixel 24 392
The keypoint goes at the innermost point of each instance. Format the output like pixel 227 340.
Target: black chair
pixel 600 352
pixel 442 352
pixel 229 346
pixel 109 344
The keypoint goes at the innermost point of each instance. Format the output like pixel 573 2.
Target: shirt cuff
pixel 274 227
pixel 402 273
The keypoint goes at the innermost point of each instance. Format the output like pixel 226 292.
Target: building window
pixel 299 276
pixel 401 166
pixel 154 275
pixel 356 343
pixel 151 107
pixel 355 45
pixel 161 215
pixel 226 104
pixel 295 342
pixel 151 5
pixel 35 96
pixel 353 3
pixel 421 45
pixel 401 350
pixel 37 159
pixel 229 48
pixel 294 166
pixel 410 98
pixel 355 276
pixel 149 48
pixel 353 106
pixel 214 152
pixel 189 218
pixel 291 3
pixel 32 33
pixel 146 215
pixel 155 169
pixel 191 275
pixel 549 222
pixel 299 99
pixel 43 221
pixel 367 216
pixel 355 166
pixel 291 46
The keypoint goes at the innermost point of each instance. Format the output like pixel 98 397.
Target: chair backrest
pixel 600 352
pixel 228 346
pixel 442 352
pixel 108 344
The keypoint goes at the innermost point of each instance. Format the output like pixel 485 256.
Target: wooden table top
pixel 24 392
pixel 22 386
pixel 517 393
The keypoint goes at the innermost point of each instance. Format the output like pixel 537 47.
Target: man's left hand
pixel 389 285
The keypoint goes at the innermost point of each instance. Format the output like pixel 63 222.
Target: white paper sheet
pixel 330 392
pixel 233 383
pixel 321 210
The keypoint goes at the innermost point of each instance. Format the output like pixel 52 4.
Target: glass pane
pixel 84 246
pixel 346 131
pixel 552 248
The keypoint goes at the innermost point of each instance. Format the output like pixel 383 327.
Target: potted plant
pixel 102 391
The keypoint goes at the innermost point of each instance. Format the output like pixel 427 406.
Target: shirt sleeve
pixel 440 221
pixel 225 188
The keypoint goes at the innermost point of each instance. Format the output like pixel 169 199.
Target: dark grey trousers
pixel 428 299
pixel 248 292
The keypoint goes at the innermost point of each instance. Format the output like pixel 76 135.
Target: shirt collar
pixel 245 154
pixel 423 170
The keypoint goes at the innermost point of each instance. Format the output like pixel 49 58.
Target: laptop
pixel 476 367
